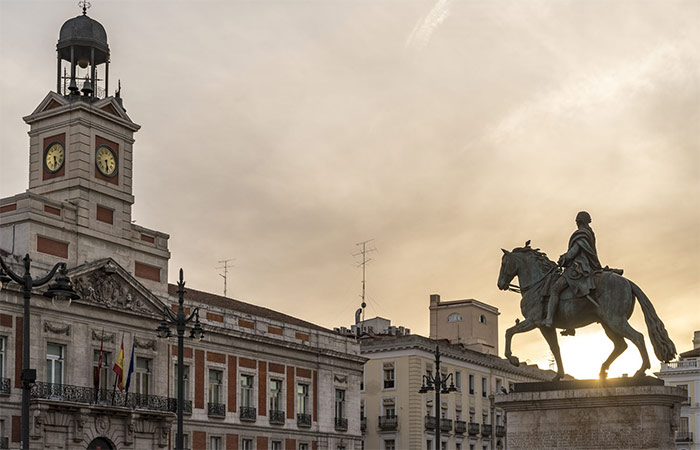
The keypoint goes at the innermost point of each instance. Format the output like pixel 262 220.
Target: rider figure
pixel 580 262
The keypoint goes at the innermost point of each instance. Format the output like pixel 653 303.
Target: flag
pixel 119 368
pixel 98 369
pixel 131 369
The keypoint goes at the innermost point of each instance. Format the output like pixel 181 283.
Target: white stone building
pixel 685 372
pixel 260 380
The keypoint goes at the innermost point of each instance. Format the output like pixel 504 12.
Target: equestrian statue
pixel 582 293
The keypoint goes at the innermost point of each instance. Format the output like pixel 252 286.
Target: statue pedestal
pixel 621 413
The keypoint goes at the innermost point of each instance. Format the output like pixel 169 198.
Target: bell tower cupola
pixel 82 57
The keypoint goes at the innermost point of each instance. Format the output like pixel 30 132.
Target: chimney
pixel 434 299
pixel 696 340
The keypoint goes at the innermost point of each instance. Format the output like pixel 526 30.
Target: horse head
pixel 509 269
pixel 525 262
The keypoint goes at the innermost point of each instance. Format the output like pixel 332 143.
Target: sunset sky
pixel 281 133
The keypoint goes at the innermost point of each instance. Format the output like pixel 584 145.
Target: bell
pixel 87 87
pixel 73 88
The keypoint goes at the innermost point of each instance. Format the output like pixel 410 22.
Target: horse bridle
pixel 520 290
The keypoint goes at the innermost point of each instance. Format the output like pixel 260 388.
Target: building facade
pixel 259 380
pixel 396 416
pixel 686 373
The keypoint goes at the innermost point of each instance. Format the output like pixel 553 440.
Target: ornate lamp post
pixel 61 290
pixel 438 383
pixel 180 320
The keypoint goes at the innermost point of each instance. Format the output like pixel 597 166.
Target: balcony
pixel 304 420
pixel 5 387
pixel 388 423
pixel 446 425
pixel 500 431
pixel 341 424
pixel 485 429
pixel 4 442
pixel 277 417
pixel 88 395
pixel 473 428
pixel 460 426
pixel 363 424
pixel 247 414
pixel 684 364
pixel 430 422
pixel 186 406
pixel 216 410
pixel 681 436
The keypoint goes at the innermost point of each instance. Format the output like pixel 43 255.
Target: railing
pixel 388 384
pixel 186 406
pixel 303 420
pixel 388 422
pixel 79 394
pixel 430 422
pixel 277 417
pixel 341 424
pixel 460 426
pixel 446 425
pixel 216 409
pixel 363 424
pixel 485 429
pixel 500 431
pixel 4 442
pixel 473 428
pixel 247 414
pixel 684 364
pixel 684 436
pixel 5 387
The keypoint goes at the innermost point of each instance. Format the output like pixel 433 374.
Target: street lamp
pixel 179 319
pixel 438 383
pixel 61 290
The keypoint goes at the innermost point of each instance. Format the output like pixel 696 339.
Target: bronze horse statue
pixel 610 304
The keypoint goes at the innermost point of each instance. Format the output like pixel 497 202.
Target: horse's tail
pixel 664 348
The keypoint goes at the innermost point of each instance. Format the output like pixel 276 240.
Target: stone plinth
pixel 620 413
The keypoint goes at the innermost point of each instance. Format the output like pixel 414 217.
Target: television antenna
pixel 225 274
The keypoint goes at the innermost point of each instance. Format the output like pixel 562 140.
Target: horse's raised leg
pixel 521 327
pixel 620 347
pixel 623 328
pixel 550 334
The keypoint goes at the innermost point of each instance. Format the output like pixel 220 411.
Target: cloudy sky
pixel 281 133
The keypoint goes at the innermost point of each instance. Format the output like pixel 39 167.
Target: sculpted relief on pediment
pixel 110 291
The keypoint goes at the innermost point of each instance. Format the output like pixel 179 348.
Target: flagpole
pixel 99 367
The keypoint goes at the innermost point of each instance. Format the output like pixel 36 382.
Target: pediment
pixel 104 283
pixel 110 105
pixel 51 101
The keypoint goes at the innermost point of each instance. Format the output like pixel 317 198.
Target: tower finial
pixel 85 4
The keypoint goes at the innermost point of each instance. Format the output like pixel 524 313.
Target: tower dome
pixel 83 34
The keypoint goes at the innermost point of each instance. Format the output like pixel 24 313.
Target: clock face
pixel 106 161
pixel 54 156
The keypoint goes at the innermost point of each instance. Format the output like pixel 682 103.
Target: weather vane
pixel 85 5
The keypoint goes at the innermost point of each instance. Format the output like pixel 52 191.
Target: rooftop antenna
pixel 225 274
pixel 363 264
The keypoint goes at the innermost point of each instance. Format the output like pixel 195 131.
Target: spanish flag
pixel 119 368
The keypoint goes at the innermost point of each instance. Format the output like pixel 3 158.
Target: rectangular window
pixel 185 382
pixel 458 380
pixel 246 444
pixel 339 404
pixel 142 374
pixel 105 373
pixel 389 411
pixel 362 380
pixel 54 363
pixel 484 386
pixel 215 385
pixel 302 398
pixel 185 441
pixel 275 395
pixel 247 390
pixel 362 409
pixel 276 445
pixel 444 445
pixel 388 376
pixel 389 444
pixel 428 445
pixel 2 357
pixel 215 443
pixel 458 446
pixel 303 446
pixel 471 384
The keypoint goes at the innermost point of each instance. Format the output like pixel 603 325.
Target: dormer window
pixel 454 317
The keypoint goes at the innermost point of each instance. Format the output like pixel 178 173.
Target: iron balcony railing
pixel 4 442
pixel 5 387
pixel 685 364
pixel 684 436
pixel 446 425
pixel 341 424
pixel 363 423
pixel 485 429
pixel 186 406
pixel 277 417
pixel 216 409
pixel 247 414
pixel 388 422
pixel 80 394
pixel 430 422
pixel 460 426
pixel 500 431
pixel 303 420
pixel 473 428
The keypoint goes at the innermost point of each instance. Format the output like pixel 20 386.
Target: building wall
pixel 468 322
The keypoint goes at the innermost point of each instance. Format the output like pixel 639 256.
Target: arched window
pixel 454 317
pixel 482 318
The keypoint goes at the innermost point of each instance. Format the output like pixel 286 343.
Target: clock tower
pixel 81 143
